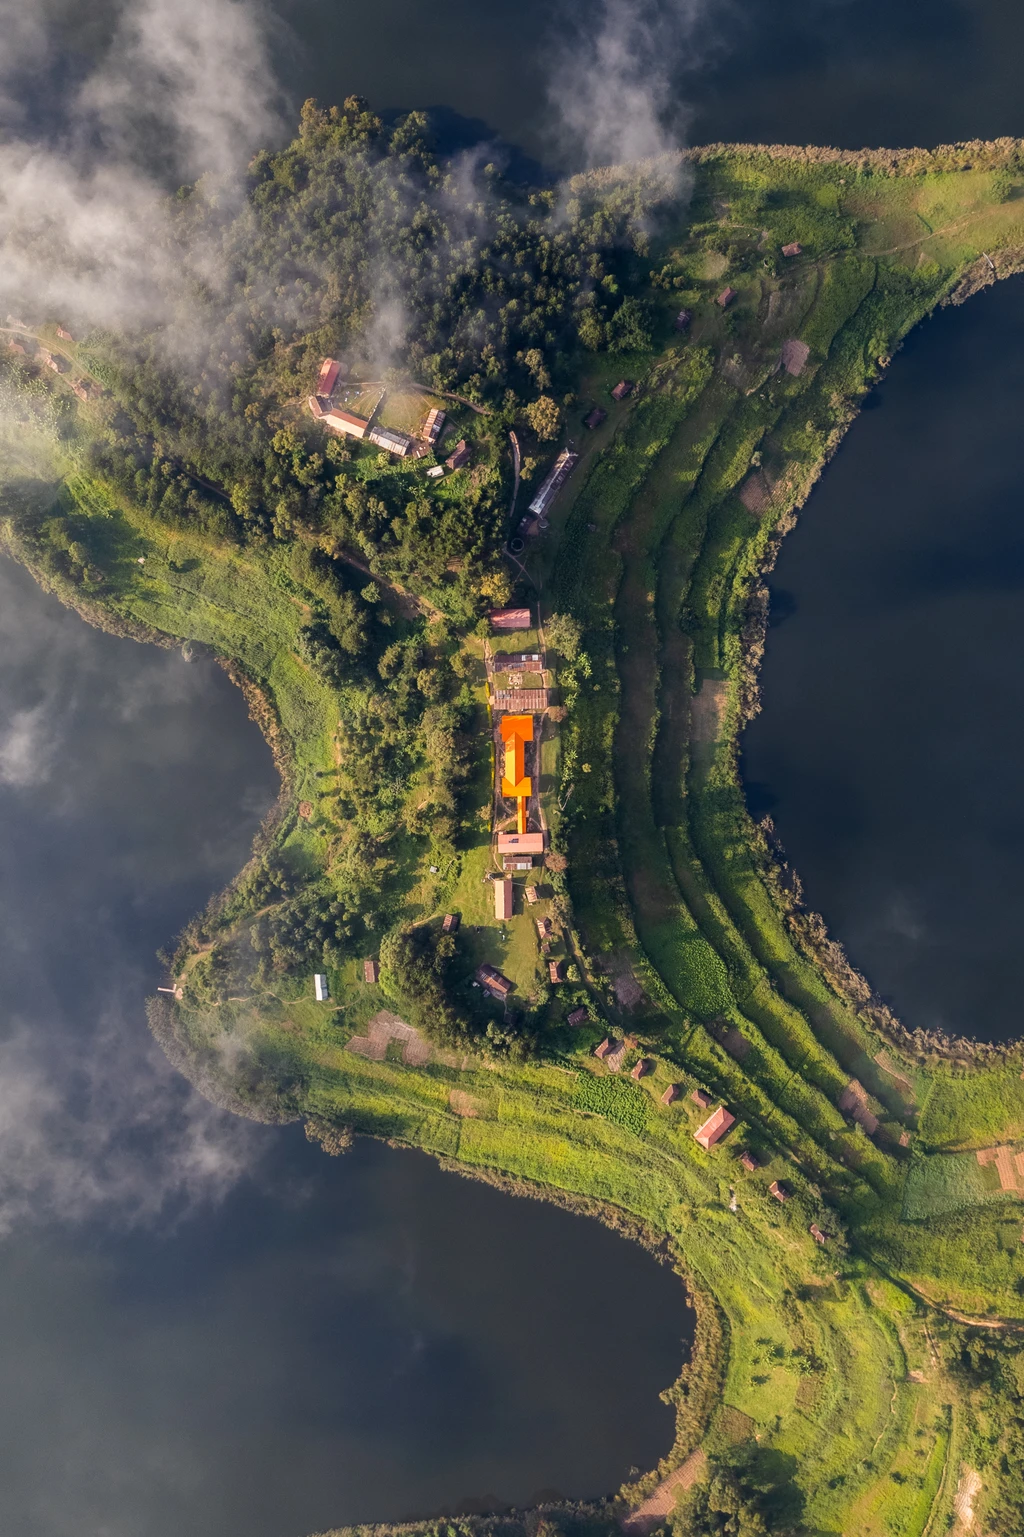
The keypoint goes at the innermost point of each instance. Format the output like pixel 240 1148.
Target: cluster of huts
pixel 366 428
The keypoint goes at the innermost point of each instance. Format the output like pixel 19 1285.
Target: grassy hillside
pixel 838 1381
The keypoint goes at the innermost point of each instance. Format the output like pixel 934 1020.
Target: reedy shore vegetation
pixel 846 1386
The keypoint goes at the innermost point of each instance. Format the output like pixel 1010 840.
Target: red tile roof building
pixel 700 1098
pixel 641 1069
pixel 714 1128
pixel 605 1047
pixel 778 1191
pixel 622 389
pixel 725 298
pixel 671 1094
pixel 327 378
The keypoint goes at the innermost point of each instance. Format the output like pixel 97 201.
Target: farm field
pixel 851 1237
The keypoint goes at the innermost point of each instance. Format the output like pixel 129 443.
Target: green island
pixel 852 1246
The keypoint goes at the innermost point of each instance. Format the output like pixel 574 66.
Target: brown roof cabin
pixel 748 1161
pixel 793 249
pixel 683 320
pixel 80 389
pixel 52 360
pixel 14 346
pixel 816 1233
pixel 459 456
pixel 671 1094
pixel 65 336
pixel 451 923
pixel 577 1017
pixel 510 618
pixel 595 418
pixel 700 1098
pixel 493 980
pixel 371 972
pixel 503 899
pixel 544 927
pixel 604 1049
pixel 714 1128
pixel 517 661
pixel 778 1191
pixel 517 861
pixel 556 971
pixel 725 298
pixel 531 894
pixel 641 1069
pixel 622 389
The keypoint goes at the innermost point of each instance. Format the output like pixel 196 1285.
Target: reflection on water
pixel 207 1325
pixel 890 743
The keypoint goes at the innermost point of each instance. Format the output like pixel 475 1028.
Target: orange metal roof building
pixel 516 731
pixel 714 1128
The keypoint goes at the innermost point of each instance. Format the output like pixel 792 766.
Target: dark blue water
pixel 209 1326
pixel 890 745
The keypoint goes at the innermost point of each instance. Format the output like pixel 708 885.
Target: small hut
pixel 371 972
pixel 622 389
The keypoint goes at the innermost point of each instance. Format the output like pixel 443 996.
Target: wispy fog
pixel 130 785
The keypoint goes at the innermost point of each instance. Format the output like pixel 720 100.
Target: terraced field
pixel 818 1363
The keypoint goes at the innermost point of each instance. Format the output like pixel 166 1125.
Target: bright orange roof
pixel 516 731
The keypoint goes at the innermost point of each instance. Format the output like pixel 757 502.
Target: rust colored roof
pixel 622 389
pixel 493 980
pixel 451 923
pixel 670 1094
pixel 641 1069
pixel 503 899
pixel 346 421
pixel 327 378
pixel 371 971
pixel 458 456
pixel 510 618
pixel 517 661
pixel 793 249
pixel 748 1161
pixel 725 298
pixel 700 1098
pixel 533 701
pixel 595 418
pixel 556 971
pixel 714 1128
pixel 778 1191
pixel 604 1048
pixel 816 1233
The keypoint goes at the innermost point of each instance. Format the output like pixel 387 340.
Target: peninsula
pixel 473 488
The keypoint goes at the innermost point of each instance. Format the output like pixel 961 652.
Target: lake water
pixel 207 1325
pixel 890 744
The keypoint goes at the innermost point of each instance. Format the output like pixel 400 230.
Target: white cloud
pixel 27 747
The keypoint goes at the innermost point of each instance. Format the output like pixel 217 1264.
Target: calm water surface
pixel 890 745
pixel 208 1326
